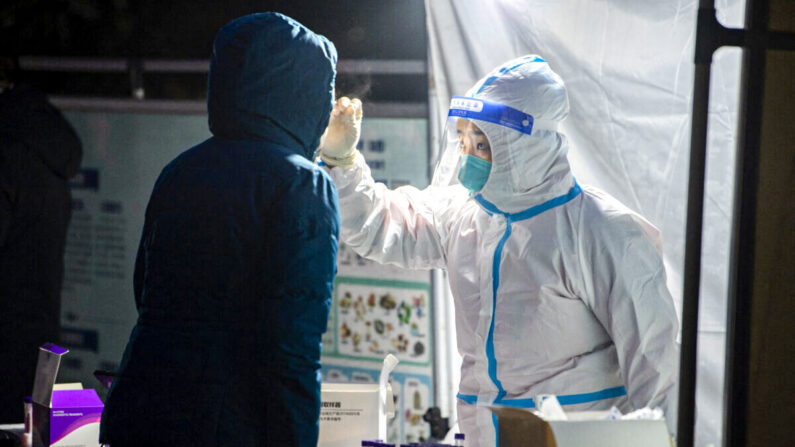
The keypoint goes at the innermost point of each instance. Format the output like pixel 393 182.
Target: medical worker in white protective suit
pixel 558 289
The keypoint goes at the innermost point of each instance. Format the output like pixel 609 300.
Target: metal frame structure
pixel 755 39
pixel 137 68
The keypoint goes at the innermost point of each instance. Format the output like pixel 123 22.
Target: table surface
pixel 17 429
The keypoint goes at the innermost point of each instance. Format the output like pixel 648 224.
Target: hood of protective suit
pixel 271 79
pixel 526 169
pixel 27 116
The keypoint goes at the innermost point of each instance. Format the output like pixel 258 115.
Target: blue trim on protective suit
pixel 609 393
pixel 566 399
pixel 470 399
pixel 533 211
pixel 495 283
pixel 495 271
pixel 490 208
pixel 504 70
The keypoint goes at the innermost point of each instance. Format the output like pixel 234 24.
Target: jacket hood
pixel 27 116
pixel 271 79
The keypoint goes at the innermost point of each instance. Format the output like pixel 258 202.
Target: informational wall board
pixel 124 154
pixel 396 150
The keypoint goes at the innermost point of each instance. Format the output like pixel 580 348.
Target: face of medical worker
pixel 473 140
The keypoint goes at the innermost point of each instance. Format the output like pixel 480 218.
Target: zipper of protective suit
pixel 509 220
pixel 495 283
pixel 495 277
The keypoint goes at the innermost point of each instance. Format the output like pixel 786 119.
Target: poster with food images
pixel 375 317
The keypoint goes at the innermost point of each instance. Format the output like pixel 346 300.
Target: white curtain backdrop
pixel 628 67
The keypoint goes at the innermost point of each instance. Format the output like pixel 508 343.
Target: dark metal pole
pixel 695 207
pixel 692 270
pixel 738 345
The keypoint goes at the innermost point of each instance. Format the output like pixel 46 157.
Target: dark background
pixel 184 29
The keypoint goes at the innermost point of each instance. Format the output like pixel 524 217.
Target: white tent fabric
pixel 628 67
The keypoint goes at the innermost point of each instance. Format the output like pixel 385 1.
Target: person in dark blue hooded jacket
pixel 39 153
pixel 235 267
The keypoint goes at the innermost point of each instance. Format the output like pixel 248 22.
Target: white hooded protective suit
pixel 558 289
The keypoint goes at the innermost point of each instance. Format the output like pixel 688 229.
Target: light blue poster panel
pixel 122 156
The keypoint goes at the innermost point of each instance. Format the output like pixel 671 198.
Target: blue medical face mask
pixel 474 172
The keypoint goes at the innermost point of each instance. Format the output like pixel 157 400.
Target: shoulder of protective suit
pixel 444 202
pixel 608 219
pixel 449 200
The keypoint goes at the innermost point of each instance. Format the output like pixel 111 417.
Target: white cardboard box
pixel 519 428
pixel 353 412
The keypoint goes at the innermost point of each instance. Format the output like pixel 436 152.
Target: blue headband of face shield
pixel 492 112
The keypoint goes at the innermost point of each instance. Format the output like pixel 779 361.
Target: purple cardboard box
pixel 62 417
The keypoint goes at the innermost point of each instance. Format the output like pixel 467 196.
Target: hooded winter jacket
pixel 237 258
pixel 39 152
pixel 558 289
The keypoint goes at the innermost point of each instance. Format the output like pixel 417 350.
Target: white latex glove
pixel 338 143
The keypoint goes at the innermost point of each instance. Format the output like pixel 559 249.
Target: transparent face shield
pixel 465 112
